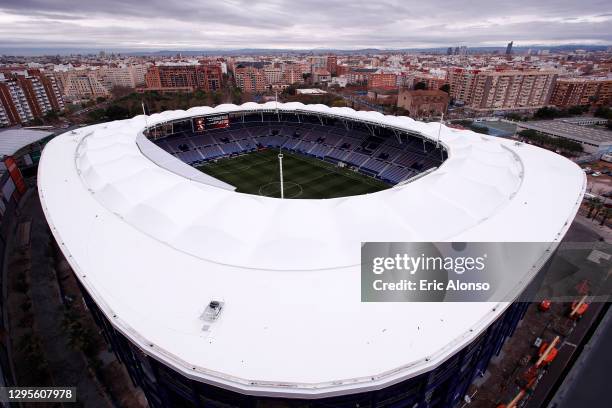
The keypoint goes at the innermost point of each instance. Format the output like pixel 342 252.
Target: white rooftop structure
pixel 153 247
pixel 12 140
pixel 310 91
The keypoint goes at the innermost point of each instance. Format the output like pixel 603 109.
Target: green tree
pixel 593 204
pixel 216 97
pixel 605 215
pixel 420 86
pixel 604 112
pixel 236 96
pixel 115 112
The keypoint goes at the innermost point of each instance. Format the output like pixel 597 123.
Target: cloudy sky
pixel 302 24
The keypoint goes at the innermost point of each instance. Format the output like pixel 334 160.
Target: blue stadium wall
pixel 443 387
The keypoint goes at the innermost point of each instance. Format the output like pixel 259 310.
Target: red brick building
pixel 27 95
pixel 382 81
pixel 423 103
pixel 250 79
pixel 186 78
pixel 332 64
pixel 581 91
pixel 433 82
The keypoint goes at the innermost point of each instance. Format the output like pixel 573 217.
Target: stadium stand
pixel 383 156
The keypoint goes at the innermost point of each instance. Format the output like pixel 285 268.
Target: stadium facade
pixel 154 241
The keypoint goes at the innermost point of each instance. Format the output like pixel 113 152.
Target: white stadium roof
pixel 153 247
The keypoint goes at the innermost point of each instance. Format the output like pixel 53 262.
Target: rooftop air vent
pixel 212 311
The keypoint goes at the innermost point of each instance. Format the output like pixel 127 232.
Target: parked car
pixel 596 174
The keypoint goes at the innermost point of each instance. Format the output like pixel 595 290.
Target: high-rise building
pixel 26 95
pixel 509 48
pixel 292 74
pixel 83 85
pixel 250 79
pixel 128 76
pixel 487 90
pixel 274 75
pixel 185 77
pixel 4 120
pixel 332 64
pixel 582 91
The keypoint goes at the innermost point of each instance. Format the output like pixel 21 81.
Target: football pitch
pixel 304 177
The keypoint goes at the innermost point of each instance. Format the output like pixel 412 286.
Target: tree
pixel 36 122
pixel 592 205
pixel 236 96
pixel 216 97
pixel 420 85
pixel 605 215
pixel 604 112
pixel 445 88
pixel 115 112
pixel 51 115
pixel 547 113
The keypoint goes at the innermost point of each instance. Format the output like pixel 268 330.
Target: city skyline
pixel 300 25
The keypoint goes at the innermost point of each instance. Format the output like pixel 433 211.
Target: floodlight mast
pixel 439 131
pixel 280 166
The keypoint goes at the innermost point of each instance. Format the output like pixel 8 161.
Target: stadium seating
pixel 385 156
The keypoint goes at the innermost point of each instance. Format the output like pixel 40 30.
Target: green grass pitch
pixel 304 177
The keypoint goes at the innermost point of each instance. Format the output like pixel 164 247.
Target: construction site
pixel 534 362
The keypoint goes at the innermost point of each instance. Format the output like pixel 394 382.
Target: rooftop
pixel 562 128
pixel 154 247
pixel 12 140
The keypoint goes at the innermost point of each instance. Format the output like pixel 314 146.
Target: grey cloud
pixel 199 24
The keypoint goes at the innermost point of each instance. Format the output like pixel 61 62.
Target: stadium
pixel 214 292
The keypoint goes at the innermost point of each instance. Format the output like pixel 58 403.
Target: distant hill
pixel 275 51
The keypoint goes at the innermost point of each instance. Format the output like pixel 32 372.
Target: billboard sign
pixel 204 123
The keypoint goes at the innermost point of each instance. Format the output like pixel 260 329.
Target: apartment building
pixel 433 82
pixel 488 90
pixel 14 102
pixel 127 76
pixel 383 81
pixel 332 64
pixel 250 79
pixel 83 85
pixel 4 120
pixel 582 91
pixel 26 95
pixel 360 75
pixel 293 74
pixel 274 75
pixel 184 77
